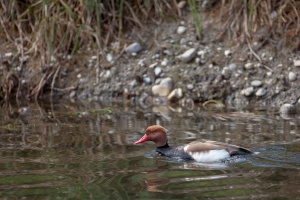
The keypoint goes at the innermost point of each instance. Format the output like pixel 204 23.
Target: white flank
pixel 210 156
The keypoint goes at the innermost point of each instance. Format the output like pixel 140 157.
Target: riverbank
pixel 168 64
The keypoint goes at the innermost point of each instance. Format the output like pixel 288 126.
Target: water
pixel 86 151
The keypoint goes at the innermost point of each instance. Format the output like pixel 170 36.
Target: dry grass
pixel 263 21
pixel 46 28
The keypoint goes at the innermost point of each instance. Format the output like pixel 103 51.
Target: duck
pixel 204 151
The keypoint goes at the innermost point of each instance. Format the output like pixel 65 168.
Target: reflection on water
pixel 86 151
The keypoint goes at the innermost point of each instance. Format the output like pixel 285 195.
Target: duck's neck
pixel 164 146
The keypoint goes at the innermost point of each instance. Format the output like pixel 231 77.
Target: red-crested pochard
pixel 200 151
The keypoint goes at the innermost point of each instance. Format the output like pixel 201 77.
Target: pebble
pixel 261 92
pixel 183 41
pixel 181 4
pixel 153 65
pixel 141 63
pixel 133 48
pixel 256 83
pixel 8 54
pixel 269 74
pixel 109 57
pixel 297 63
pixel 188 55
pixel 156 56
pixel 249 65
pixel 292 76
pixel 181 30
pixel 190 86
pixel 79 75
pixel 164 62
pixel 105 73
pixel 232 66
pixel 172 41
pixel 72 94
pixel 167 52
pixel 93 57
pixel 147 80
pixel 248 91
pixel 157 71
pixel 201 54
pixel 175 95
pixel 225 71
pixel 52 58
pixel 133 83
pixel 227 53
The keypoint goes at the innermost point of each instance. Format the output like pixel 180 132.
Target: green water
pixel 86 151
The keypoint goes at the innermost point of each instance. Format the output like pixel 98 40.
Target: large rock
pixel 164 88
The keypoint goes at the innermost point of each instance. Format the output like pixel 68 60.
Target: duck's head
pixel 156 134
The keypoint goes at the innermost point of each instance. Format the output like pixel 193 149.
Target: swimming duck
pixel 200 151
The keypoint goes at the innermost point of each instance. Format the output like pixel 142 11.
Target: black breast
pixel 173 152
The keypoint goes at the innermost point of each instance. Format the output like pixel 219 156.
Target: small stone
pixel 157 71
pixel 164 62
pixel 175 95
pixel 269 74
pixel 248 91
pixel 292 76
pixel 167 52
pixel 297 63
pixel 188 55
pixel 201 54
pixel 72 94
pixel 147 80
pixel 261 92
pixel 133 48
pixel 232 66
pixel 133 83
pixel 256 83
pixel 153 65
pixel 249 65
pixel 183 41
pixel 93 57
pixel 190 86
pixel 280 65
pixel 181 30
pixel 227 53
pixel 141 63
pixel 105 73
pixel 164 88
pixel 79 75
pixel 52 58
pixel 8 54
pixel 156 56
pixel 172 41
pixel 109 57
pixel 181 4
pixel 225 70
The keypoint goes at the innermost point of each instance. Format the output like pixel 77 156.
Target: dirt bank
pixel 235 73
